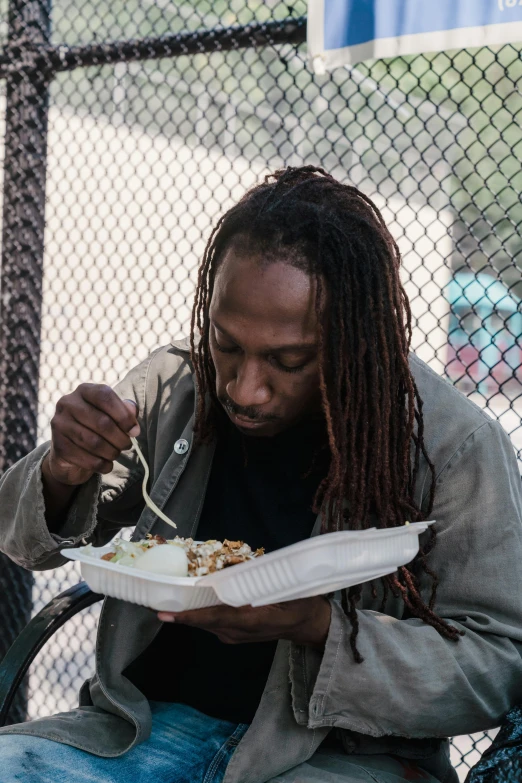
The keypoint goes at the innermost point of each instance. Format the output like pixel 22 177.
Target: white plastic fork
pixel 150 503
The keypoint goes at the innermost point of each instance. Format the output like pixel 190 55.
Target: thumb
pixel 133 409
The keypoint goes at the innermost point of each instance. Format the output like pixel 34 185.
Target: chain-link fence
pixel 139 123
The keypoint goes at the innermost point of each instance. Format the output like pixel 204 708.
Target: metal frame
pixel 29 643
pixel 29 64
pixel 45 58
pixel 29 27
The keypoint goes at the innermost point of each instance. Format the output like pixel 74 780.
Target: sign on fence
pixel 342 32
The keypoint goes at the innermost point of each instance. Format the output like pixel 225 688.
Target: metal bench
pixel 36 633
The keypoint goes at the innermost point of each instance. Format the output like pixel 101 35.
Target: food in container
pixel 320 565
pixel 178 556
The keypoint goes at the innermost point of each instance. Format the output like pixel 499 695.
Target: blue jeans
pixel 185 746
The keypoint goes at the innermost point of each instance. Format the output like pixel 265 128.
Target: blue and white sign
pixel 342 32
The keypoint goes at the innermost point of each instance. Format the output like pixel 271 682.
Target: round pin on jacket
pixel 181 446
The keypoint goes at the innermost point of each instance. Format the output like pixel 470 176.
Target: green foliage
pixel 105 20
pixel 443 127
pixel 470 103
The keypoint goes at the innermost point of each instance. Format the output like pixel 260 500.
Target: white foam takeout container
pixel 319 565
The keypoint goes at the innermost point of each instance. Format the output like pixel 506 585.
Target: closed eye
pixel 286 368
pixel 272 359
pixel 222 348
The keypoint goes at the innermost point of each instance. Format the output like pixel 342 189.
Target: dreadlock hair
pixel 371 405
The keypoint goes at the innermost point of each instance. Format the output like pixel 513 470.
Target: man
pixel 297 410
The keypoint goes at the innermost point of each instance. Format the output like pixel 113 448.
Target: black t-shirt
pixel 261 491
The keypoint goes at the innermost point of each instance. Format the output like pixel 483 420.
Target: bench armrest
pixel 36 633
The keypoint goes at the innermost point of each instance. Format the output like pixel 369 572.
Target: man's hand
pixel 90 429
pixel 305 621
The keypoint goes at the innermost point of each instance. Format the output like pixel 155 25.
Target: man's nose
pixel 249 387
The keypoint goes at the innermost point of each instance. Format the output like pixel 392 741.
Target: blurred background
pixel 145 129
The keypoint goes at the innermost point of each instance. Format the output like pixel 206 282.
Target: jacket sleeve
pixel 101 507
pixel 413 682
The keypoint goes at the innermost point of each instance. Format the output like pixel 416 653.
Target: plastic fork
pixel 150 503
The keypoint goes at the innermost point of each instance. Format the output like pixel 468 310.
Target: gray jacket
pixel 413 689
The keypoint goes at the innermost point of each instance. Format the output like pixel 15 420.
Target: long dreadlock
pixel 371 404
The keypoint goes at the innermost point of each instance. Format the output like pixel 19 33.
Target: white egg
pixel 164 559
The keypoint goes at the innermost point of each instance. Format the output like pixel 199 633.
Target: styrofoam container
pixel 319 565
pixel 157 591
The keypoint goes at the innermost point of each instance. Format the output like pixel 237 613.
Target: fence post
pixel 27 82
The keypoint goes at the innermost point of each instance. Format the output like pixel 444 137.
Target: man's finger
pixel 133 408
pixel 211 617
pixel 86 439
pixel 106 400
pixel 68 453
pixel 94 420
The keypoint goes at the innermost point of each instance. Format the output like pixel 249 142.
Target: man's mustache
pixel 246 413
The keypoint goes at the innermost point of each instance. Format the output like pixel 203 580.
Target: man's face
pixel 264 344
